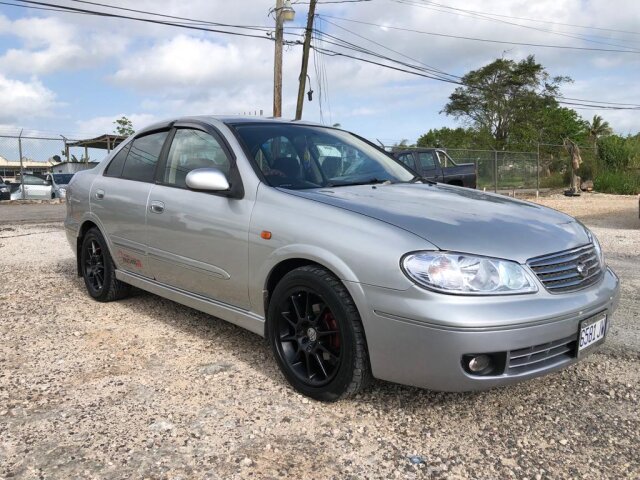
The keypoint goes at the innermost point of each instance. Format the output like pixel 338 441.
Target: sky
pixel 71 74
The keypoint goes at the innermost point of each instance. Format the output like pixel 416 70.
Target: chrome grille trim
pixel 538 356
pixel 558 272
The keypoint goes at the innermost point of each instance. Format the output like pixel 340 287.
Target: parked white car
pixel 59 182
pixel 35 187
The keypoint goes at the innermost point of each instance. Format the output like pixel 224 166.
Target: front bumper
pixel 416 337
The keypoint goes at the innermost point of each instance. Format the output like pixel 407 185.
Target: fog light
pixel 479 363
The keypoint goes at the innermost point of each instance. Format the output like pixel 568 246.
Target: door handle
pixel 156 207
pixel 99 194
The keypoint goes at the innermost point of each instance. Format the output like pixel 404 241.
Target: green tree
pixel 504 96
pixel 597 128
pixel 446 137
pixel 123 126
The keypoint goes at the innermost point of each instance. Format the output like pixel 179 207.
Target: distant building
pixel 10 169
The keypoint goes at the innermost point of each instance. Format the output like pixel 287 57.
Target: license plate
pixel 592 332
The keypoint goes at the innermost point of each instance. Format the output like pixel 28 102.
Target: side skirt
pixel 243 318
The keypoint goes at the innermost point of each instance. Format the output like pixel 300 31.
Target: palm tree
pixel 598 128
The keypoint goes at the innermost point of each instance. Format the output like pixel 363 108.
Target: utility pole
pixel 277 62
pixel 21 166
pixel 284 13
pixel 305 58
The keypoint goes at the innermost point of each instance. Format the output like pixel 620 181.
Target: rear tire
pixel 316 335
pixel 98 269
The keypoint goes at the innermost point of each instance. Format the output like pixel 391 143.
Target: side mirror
pixel 208 179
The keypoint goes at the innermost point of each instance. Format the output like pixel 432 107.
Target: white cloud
pixel 50 44
pixel 24 101
pixel 168 71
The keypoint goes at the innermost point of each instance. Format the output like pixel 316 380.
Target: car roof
pixel 227 120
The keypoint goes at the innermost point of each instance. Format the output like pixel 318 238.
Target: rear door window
pixel 427 160
pixel 143 157
pixel 114 169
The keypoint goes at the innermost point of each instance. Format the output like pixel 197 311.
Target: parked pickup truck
pixel 433 164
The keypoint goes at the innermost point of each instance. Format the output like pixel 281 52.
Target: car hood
pixel 460 219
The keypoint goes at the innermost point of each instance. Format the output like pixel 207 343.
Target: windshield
pixel 302 157
pixel 62 178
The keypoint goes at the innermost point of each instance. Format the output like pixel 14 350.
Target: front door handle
pixel 156 207
pixel 99 194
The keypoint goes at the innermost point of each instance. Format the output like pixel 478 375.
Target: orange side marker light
pixel 265 235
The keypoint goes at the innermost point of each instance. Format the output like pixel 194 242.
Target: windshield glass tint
pixel 62 178
pixel 302 156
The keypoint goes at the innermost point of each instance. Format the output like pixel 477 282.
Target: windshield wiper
pixel 370 181
pixel 418 178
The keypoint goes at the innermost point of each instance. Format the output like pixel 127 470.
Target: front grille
pixel 568 270
pixel 539 356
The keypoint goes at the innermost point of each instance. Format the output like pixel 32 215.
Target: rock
pixel 246 462
pixel 214 368
pixel 161 426
pixel 564 441
pixel 416 459
pixel 586 186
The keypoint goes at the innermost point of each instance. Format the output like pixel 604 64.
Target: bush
pixel 620 182
pixel 555 180
pixel 615 152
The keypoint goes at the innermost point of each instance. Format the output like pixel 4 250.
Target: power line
pixel 504 42
pixel 419 71
pixel 146 20
pixel 462 12
pixel 537 20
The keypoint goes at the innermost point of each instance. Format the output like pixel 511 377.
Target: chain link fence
pixel 546 167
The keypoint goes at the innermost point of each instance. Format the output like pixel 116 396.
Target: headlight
pixel 467 274
pixel 596 246
pixel 62 191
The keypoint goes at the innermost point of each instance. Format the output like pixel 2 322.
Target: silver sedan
pixel 349 263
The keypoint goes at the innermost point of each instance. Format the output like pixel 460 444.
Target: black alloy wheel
pixel 98 269
pixel 94 265
pixel 316 335
pixel 309 339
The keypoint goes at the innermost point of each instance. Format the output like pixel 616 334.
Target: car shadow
pixel 245 346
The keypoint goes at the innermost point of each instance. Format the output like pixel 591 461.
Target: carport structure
pixel 107 142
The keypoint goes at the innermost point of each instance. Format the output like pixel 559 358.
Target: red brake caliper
pixel 332 324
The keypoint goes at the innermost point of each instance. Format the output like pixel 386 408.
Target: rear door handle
pixel 156 207
pixel 99 194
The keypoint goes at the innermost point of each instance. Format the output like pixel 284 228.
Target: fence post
pixel 21 166
pixel 538 172
pixel 495 170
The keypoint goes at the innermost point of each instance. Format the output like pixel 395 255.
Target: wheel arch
pixel 82 231
pixel 334 265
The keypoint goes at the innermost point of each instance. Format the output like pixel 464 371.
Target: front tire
pixel 98 269
pixel 317 336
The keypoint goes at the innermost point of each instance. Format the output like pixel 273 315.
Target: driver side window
pixel 191 149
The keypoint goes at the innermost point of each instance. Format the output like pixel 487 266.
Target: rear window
pixel 62 178
pixel 114 169
pixel 143 156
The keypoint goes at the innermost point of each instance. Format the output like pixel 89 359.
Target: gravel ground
pixel 145 388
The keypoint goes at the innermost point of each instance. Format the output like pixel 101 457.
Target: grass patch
pixel 620 182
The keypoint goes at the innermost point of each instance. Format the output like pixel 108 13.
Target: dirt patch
pixel 146 388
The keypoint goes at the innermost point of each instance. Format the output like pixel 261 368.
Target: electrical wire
pixel 486 40
pixel 461 12
pixel 145 20
pixel 536 20
pixel 416 71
